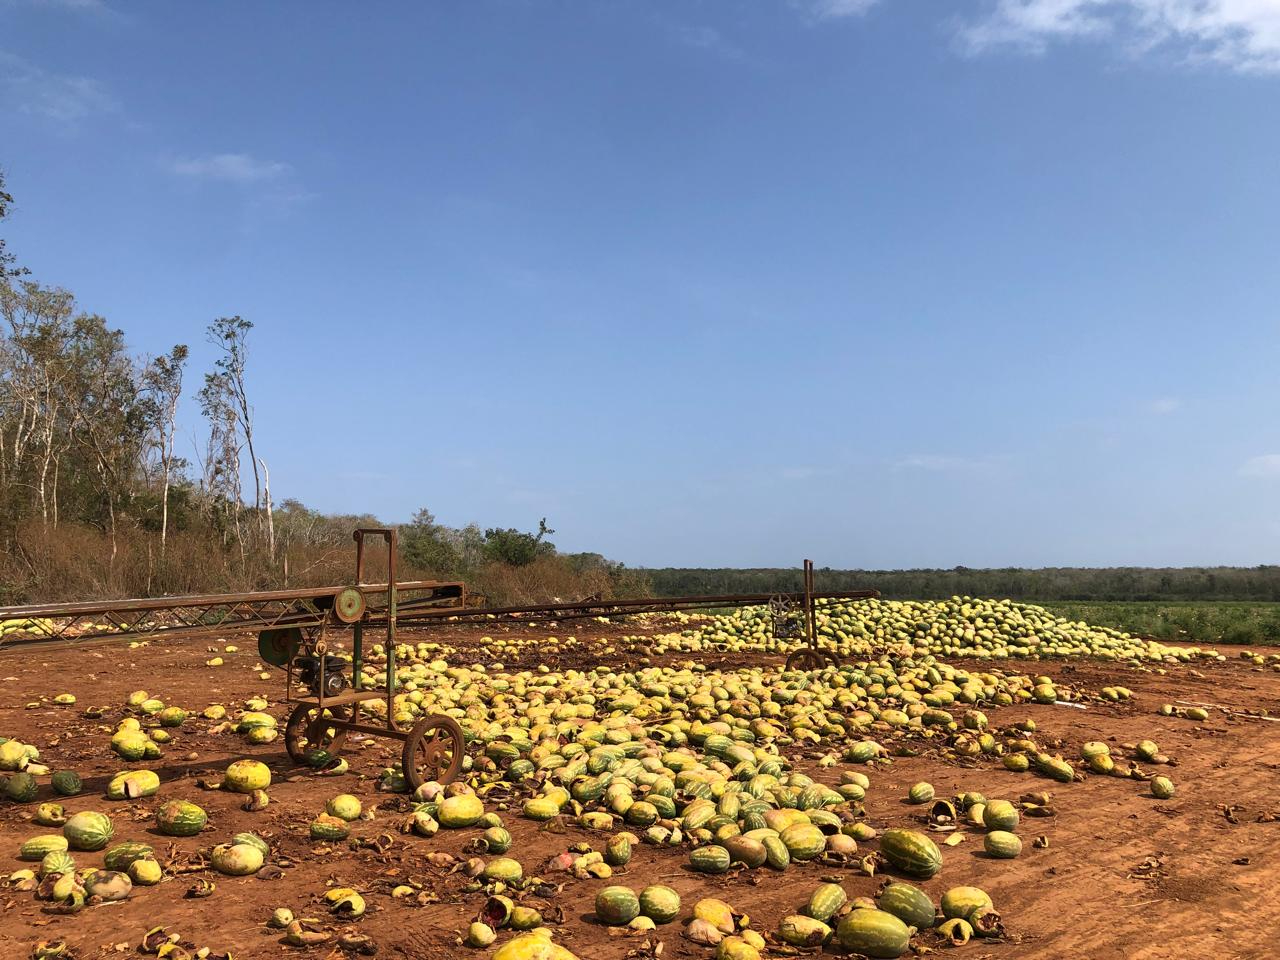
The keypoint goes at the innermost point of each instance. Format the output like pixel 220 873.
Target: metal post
pixel 391 618
pixel 357 655
pixel 810 626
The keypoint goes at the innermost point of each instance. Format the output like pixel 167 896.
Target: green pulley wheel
pixel 348 605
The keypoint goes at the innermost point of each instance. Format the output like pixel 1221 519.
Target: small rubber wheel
pixel 308 730
pixel 806 659
pixel 433 751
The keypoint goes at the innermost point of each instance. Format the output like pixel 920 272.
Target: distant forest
pixel 1049 583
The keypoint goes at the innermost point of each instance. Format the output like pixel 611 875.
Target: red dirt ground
pixel 1123 876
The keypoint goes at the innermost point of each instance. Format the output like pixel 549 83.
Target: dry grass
pixel 73 562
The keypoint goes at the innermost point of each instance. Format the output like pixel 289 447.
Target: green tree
pixel 517 548
pixel 429 545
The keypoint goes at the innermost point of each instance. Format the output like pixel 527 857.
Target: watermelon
pixel 236 860
pixel 1000 815
pixel 122 854
pixel 498 840
pixel 88 830
pixel 710 859
pixel 1002 845
pixel 962 901
pixel 617 906
pixel 325 827
pixel 909 904
pixel 660 904
pixel 803 841
pixel 253 840
pixel 463 810
pixel 541 808
pixel 911 852
pixel 51 815
pixel 131 745
pixel 107 885
pixel 66 783
pixel 37 847
pixel 503 868
pixel 920 793
pixel 145 872
pixel 826 901
pixel 56 862
pixel 180 818
pixel 746 851
pixel 132 784
pixel 777 855
pixel 874 933
pixel 800 931
pixel 246 776
pixel 344 806
pixel 21 787
pixel 13 755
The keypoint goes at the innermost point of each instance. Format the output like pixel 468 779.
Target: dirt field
pixel 1123 875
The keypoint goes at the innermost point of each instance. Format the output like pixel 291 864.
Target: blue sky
pixel 882 283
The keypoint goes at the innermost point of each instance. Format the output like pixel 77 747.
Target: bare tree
pixel 271 527
pixel 163 379
pixel 230 334
pixel 108 419
pixel 33 409
pixel 221 480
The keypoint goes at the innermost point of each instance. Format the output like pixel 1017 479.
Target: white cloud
pixel 1243 35
pixel 707 38
pixel 232 167
pixel 65 98
pixel 938 463
pixel 1162 406
pixel 1266 465
pixel 835 9
pixel 95 6
pixel 799 473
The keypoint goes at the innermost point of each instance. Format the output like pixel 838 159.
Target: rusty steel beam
pixel 205 614
pixel 615 608
pixel 254 612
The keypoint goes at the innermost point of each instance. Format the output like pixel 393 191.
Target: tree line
pixel 1049 583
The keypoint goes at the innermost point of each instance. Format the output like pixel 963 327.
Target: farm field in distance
pixel 1207 621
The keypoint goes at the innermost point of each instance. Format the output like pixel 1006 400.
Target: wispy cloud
pixel 708 39
pixel 64 98
pixel 1163 406
pixel 1266 465
pixel 944 463
pixel 365 475
pixel 799 473
pixel 836 9
pixel 1242 35
pixel 91 6
pixel 231 167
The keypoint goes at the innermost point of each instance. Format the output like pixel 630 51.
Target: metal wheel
pixel 309 730
pixel 433 751
pixel 806 659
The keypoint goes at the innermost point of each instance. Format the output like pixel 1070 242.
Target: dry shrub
pixel 73 562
